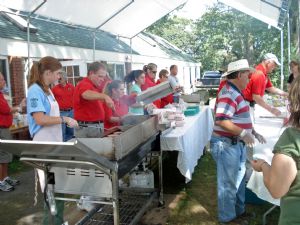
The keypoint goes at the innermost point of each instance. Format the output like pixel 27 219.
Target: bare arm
pixel 44 120
pixel 277 91
pixel 279 176
pixel 246 136
pixel 114 119
pixel 260 101
pixel 229 126
pixel 93 95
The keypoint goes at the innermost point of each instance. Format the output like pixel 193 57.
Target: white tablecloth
pixel 189 140
pixel 271 129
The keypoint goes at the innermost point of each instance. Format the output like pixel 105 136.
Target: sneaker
pixel 11 182
pixel 5 186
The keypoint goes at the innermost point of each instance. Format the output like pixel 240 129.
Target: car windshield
pixel 211 74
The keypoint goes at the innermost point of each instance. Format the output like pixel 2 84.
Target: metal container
pixel 156 92
pixel 90 166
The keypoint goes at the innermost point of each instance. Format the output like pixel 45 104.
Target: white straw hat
pixel 240 65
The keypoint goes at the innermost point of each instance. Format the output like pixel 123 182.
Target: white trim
pixel 11 47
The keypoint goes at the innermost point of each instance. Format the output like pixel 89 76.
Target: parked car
pixel 210 78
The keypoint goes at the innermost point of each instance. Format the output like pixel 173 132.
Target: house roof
pixel 124 18
pixel 64 35
pixel 51 32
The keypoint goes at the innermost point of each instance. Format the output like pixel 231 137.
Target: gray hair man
pixel 260 82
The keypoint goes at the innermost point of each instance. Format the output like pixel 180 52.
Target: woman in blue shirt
pixel 136 78
pixel 43 114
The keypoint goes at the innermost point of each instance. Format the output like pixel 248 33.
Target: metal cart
pixel 93 167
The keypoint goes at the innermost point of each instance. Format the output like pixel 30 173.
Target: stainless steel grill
pixel 132 207
pixel 93 167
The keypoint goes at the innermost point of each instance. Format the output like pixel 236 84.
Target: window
pixel 116 71
pixel 73 74
pixel 75 70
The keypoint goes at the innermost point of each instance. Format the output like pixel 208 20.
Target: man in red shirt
pixel 260 81
pixel 88 103
pixel 63 93
pixel 150 72
pixel 6 118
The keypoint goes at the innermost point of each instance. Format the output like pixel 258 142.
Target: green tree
pixel 222 35
pixel 176 30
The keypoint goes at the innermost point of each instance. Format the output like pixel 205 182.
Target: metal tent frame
pixel 257 9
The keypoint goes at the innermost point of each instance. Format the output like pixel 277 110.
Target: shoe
pixel 5 186
pixel 11 182
pixel 247 215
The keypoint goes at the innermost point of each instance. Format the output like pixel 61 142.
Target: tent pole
pixel 281 68
pixel 289 36
pixel 28 45
pixel 131 50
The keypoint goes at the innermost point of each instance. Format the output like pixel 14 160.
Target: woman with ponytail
pixel 43 114
pixel 115 90
pixel 135 79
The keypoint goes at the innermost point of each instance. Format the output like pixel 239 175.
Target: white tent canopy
pixel 125 18
pixel 271 12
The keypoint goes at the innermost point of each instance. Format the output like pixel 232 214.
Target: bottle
pixel 141 177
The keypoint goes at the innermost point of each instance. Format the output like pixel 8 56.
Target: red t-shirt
pixel 150 83
pixel 6 117
pixel 121 106
pixel 64 95
pixel 87 110
pixel 165 100
pixel 258 83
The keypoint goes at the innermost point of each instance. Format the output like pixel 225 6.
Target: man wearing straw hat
pixel 232 133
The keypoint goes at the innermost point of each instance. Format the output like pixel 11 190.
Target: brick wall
pixel 16 66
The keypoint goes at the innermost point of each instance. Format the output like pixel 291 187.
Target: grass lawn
pixel 198 204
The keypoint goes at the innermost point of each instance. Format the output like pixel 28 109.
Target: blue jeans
pixel 68 132
pixel 230 160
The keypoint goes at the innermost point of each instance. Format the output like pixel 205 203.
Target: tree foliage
pixel 220 36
